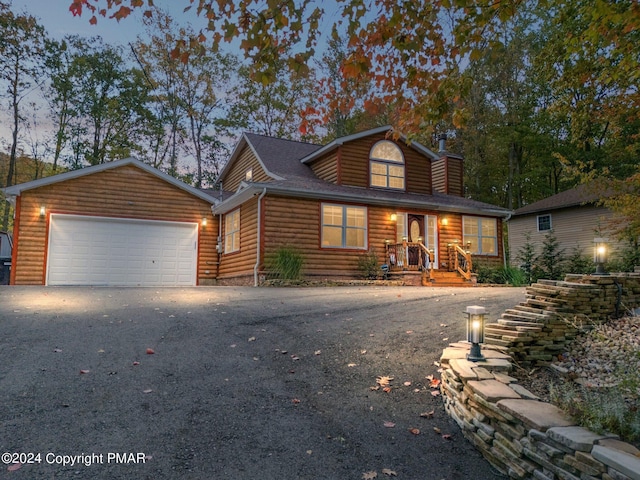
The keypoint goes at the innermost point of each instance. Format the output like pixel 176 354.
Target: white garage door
pixel 123 252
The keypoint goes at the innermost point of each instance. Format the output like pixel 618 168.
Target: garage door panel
pixel 124 252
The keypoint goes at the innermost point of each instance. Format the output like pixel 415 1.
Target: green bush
pixel 286 264
pixel 368 265
pixel 501 275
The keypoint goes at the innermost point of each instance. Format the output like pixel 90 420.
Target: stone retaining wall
pixel 519 435
pixel 554 312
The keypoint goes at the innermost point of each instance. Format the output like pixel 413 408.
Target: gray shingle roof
pixel 585 193
pixel 281 156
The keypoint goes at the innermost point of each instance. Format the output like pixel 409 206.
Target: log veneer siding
pixel 246 160
pixel 242 262
pixel 123 192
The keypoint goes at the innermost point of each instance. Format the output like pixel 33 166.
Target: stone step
pixel 522 307
pixel 490 330
pixel 516 323
pixel 524 314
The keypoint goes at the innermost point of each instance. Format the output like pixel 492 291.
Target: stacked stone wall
pixel 554 312
pixel 520 435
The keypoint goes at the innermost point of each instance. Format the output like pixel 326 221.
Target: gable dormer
pixel 447 171
pixel 374 160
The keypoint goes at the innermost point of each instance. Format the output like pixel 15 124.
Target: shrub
pixel 501 275
pixel 286 264
pixel 579 263
pixel 368 265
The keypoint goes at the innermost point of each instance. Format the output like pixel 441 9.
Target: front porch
pixel 414 264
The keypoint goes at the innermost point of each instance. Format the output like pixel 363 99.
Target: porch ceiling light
pixel 475 331
pixel 600 254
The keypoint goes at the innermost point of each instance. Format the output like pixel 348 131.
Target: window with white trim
pixel 232 231
pixel 544 223
pixel 481 233
pixel 344 226
pixel 386 166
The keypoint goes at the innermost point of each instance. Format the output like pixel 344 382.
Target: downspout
pixel 504 244
pixel 258 238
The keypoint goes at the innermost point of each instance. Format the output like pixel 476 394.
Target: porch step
pixel 440 278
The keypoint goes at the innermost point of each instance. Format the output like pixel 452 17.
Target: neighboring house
pixel 6 246
pixel 572 216
pixel 125 223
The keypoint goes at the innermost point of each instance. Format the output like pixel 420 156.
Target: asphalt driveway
pixel 232 383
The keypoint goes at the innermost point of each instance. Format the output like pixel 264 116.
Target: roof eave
pixel 255 189
pixel 356 136
pixel 15 190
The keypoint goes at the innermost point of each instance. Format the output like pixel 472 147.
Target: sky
pixel 58 21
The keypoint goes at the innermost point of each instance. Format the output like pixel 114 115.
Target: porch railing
pixel 410 256
pixel 416 256
pixel 460 260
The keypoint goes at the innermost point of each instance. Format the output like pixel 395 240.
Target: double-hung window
pixel 482 235
pixel 344 226
pixel 386 165
pixel 232 231
pixel 544 223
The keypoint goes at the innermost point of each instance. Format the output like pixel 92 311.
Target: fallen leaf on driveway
pixel 136 363
pixel 415 431
pixel 389 473
pixel 352 365
pixel 14 466
pixel 150 351
pixel 148 390
pixel 437 430
pixel 446 436
pixel 295 401
pixel 369 475
pixel 428 414
pixel 252 339
pixel 407 384
pixel 57 350
pixel 435 393
pixel 384 381
pixel 82 372
pixel 434 382
pixel 317 352
pixel 389 424
pixel 386 389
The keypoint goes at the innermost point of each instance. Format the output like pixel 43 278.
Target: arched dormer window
pixel 386 164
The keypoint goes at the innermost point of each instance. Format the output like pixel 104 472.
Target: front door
pixel 416 235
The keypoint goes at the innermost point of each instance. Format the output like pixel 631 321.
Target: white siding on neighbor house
pixel 87 250
pixel 573 228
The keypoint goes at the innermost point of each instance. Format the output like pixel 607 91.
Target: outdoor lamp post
pixel 600 255
pixel 475 331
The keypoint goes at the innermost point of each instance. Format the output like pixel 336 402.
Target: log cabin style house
pixel 126 223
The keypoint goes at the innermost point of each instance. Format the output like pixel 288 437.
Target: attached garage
pixel 122 223
pixel 121 252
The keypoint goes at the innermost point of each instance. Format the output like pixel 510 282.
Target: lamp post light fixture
pixel 475 331
pixel 600 255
